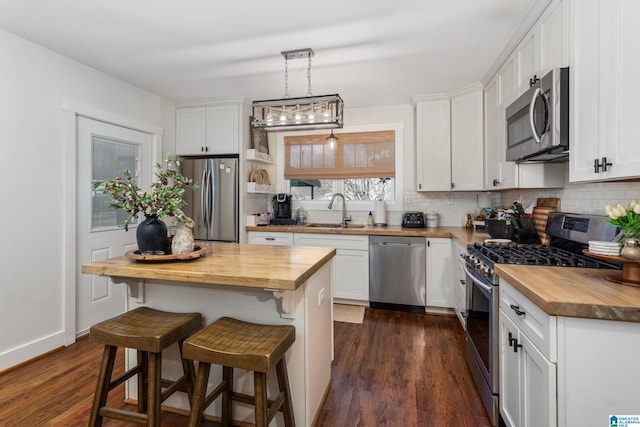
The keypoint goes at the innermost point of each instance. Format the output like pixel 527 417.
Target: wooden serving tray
pixel 199 251
pixel 630 269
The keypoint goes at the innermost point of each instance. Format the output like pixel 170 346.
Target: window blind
pixel 356 155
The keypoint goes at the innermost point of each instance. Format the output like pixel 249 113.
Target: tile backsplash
pixel 453 207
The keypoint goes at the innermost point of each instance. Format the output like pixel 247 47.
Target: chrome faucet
pixel 344 209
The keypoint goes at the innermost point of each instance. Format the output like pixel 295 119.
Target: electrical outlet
pixel 407 199
pixel 320 296
pixel 451 199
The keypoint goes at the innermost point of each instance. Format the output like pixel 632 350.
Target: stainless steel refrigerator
pixel 213 206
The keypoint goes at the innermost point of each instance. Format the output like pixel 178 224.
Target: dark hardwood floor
pixel 395 369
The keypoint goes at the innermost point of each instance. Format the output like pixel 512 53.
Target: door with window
pixel 104 151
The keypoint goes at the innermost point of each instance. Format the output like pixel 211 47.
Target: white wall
pixel 33 83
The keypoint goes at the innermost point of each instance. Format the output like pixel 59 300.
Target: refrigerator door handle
pixel 213 194
pixel 203 196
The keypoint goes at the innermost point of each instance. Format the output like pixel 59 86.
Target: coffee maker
pixel 281 203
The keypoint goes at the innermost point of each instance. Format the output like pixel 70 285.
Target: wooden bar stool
pixel 236 344
pixel 149 331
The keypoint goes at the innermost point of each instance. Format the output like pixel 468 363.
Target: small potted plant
pixel 628 221
pixel 164 199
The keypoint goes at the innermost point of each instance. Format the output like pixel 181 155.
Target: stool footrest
pixel 272 405
pixel 214 394
pixel 123 415
pixel 125 376
pixel 173 386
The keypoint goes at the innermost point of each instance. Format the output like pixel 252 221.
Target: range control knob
pixel 485 270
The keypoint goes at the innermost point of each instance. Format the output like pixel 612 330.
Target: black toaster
pixel 413 219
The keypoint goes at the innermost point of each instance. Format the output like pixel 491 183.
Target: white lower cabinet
pixel 351 263
pixel 270 238
pixel 439 271
pixel 528 354
pixel 527 380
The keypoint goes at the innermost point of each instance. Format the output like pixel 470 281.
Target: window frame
pixel 357 205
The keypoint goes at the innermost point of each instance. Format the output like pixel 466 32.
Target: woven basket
pixel 498 228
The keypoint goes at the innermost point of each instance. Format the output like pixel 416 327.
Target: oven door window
pixel 540 114
pixel 479 321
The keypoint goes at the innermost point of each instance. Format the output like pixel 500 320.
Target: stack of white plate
pixel 604 248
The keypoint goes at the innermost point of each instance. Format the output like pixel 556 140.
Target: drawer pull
pixel 269 238
pixel 516 308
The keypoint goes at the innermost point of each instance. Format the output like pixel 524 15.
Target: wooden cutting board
pixel 551 202
pixel 539 217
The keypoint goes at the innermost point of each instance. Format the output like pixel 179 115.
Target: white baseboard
pixel 15 356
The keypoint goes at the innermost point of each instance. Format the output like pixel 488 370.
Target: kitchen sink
pixel 331 225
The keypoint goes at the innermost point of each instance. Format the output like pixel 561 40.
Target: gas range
pixel 570 234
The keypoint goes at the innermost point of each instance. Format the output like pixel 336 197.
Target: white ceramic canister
pixel 432 219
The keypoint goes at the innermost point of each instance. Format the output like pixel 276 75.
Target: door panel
pixel 104 151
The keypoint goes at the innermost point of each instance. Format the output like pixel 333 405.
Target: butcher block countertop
pixel 461 234
pixel 574 292
pixel 255 266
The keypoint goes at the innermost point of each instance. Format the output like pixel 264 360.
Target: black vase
pixel 152 236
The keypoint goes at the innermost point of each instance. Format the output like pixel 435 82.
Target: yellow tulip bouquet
pixel 626 219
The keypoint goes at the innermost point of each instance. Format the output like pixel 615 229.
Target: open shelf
pixel 257 156
pixel 253 187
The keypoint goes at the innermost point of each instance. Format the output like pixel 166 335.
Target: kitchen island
pixel 262 284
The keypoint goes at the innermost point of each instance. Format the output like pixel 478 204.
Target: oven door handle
pixel 477 281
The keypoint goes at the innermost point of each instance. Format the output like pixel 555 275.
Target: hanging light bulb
pixel 331 140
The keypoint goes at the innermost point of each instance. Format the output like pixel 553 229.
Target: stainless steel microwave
pixel 538 121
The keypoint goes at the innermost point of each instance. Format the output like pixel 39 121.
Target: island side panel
pixel 309 373
pixel 319 336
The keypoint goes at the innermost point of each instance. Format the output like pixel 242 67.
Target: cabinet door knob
pixel 605 164
pixel 511 339
pixel 496 182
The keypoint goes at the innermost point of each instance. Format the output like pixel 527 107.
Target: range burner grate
pixel 527 254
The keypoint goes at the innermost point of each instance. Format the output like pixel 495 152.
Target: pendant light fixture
pixel 308 112
pixel 332 140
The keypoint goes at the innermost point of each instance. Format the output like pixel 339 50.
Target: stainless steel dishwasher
pixel 397 273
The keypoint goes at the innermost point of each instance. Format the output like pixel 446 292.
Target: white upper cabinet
pixel 433 145
pixel 211 129
pixel 449 143
pixel 553 35
pixel 527 60
pixel 467 141
pixel 544 47
pixel 604 90
pixel 191 130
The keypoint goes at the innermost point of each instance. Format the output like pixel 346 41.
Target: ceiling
pixel 371 52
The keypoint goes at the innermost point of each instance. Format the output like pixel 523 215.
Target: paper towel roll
pixel 380 216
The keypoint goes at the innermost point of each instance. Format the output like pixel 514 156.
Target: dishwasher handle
pixel 395 244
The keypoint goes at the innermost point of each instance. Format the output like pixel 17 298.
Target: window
pixel 361 166
pixel 110 158
pixel 353 189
